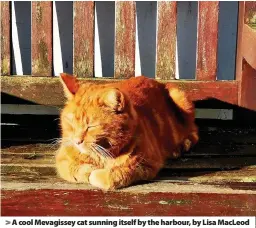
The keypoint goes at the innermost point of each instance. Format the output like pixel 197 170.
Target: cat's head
pixel 96 118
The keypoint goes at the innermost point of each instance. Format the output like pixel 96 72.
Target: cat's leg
pixel 71 169
pixel 181 99
pixel 189 142
pixel 119 177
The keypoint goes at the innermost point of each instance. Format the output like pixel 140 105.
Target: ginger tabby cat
pixel 116 134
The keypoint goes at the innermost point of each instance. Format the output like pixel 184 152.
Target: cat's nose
pixel 79 141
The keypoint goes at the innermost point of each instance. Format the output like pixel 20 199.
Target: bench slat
pixel 202 151
pixel 125 40
pixel 202 157
pixel 84 39
pixel 207 42
pixel 42 38
pixel 166 40
pixel 165 199
pixel 33 173
pixel 53 93
pixel 193 163
pixel 5 38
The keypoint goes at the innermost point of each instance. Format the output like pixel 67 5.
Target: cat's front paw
pixel 100 178
pixel 83 173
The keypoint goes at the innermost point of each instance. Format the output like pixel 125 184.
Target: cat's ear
pixel 114 99
pixel 70 84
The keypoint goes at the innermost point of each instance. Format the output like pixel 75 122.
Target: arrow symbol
pixel 7 222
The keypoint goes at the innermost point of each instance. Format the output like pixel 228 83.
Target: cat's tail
pixel 180 98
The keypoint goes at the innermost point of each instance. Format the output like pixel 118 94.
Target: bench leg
pixel 245 114
pixel 247 90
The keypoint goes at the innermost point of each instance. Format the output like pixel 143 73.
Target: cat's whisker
pixel 98 152
pixel 57 141
pixel 89 143
pixel 106 151
pixel 103 150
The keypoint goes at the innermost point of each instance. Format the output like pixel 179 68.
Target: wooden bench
pixel 218 177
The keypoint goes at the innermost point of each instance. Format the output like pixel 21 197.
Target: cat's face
pixel 96 119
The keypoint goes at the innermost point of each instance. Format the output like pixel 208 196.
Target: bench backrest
pixel 205 84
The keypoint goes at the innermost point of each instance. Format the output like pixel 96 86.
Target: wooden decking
pixel 218 177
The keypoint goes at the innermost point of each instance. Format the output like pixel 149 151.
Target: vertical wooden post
pixel 245 74
pixel 41 38
pixel 5 38
pixel 166 40
pixel 125 39
pixel 83 39
pixel 207 41
pixel 245 71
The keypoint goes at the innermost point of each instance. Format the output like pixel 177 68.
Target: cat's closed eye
pixel 90 126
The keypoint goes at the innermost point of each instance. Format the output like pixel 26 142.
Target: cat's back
pixel 143 91
pixel 164 121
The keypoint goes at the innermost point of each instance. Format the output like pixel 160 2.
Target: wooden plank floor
pixel 218 177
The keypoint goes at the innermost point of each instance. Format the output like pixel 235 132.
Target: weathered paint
pixel 247 94
pixel 41 38
pixel 166 40
pixel 207 41
pixel 125 39
pixel 225 91
pixel 84 39
pixel 5 38
pixel 246 58
pixel 31 89
pixel 98 203
pixel 250 14
pixel 249 45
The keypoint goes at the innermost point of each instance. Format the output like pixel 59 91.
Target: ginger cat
pixel 116 134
